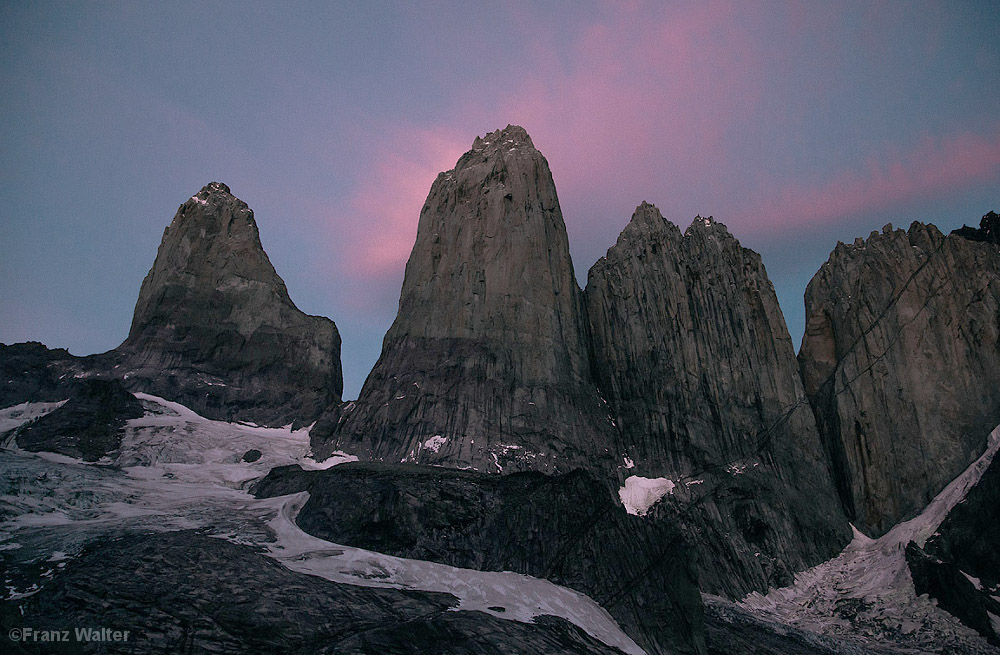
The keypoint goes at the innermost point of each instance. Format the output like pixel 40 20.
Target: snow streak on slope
pixel 177 470
pixel 867 591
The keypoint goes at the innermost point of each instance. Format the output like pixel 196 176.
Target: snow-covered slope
pixel 867 591
pixel 177 470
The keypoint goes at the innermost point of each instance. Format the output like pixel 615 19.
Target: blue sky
pixel 796 124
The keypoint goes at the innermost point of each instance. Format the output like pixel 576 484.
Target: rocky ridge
pixel 89 425
pixel 901 362
pixel 564 528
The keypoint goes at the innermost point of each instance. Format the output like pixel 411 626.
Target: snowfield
pixel 177 470
pixel 867 592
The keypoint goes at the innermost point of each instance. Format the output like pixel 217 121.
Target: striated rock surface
pixel 693 356
pixel 901 361
pixel 215 329
pixel 564 528
pixel 486 364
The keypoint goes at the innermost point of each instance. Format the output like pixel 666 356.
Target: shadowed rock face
pixel 214 327
pixel 88 425
pixel 30 372
pixel 486 364
pixel 693 355
pixel 901 361
pixel 184 592
pixel 564 528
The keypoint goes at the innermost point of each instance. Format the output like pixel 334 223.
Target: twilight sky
pixel 794 123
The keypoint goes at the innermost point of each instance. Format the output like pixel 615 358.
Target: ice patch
pixel 976 582
pixel 629 464
pixel 337 457
pixel 639 494
pixel 523 597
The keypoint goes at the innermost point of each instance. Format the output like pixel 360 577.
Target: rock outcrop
pixel 989 229
pixel 486 364
pixel 215 329
pixel 88 425
pixel 901 361
pixel 30 372
pixel 959 564
pixel 564 528
pixel 693 356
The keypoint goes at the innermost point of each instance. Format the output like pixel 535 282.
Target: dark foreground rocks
pixel 960 564
pixel 566 529
pixel 88 426
pixel 184 592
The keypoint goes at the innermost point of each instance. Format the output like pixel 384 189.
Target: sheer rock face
pixel 486 364
pixel 215 329
pixel 901 360
pixel 693 356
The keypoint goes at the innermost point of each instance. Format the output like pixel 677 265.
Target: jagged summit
pixel 989 229
pixel 647 218
pixel 692 354
pixel 214 326
pixel 512 136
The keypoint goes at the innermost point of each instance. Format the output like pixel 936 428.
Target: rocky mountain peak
pixel 510 137
pixel 693 357
pixel 486 364
pixel 214 326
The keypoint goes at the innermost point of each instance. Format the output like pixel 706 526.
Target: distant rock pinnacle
pixel 215 329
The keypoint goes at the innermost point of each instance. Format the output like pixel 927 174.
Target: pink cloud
pixel 640 107
pixel 948 163
pixel 383 210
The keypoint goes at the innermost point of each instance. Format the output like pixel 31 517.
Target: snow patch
pixel 629 464
pixel 639 494
pixel 335 458
pixel 976 582
pixel 434 443
pixel 17 415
